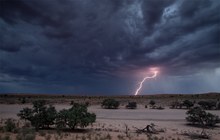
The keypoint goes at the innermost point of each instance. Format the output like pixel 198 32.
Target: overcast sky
pixel 106 47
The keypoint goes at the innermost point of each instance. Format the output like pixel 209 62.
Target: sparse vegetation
pixel 131 105
pixel 197 135
pixel 107 129
pixel 154 106
pixel 160 108
pixel 197 116
pixel 152 103
pixel 176 105
pixel 188 104
pixel 110 104
pixel 77 115
pixel 40 115
pixel 22 100
pixel 207 105
pixel 26 133
pixel 9 126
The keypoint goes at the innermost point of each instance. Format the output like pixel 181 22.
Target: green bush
pixel 110 104
pixel 50 116
pixel 77 115
pixel 22 100
pixel 176 105
pixel 188 104
pixel 198 116
pixel 131 105
pixel 9 125
pixel 208 105
pixel 152 102
pixel 25 114
pixel 40 115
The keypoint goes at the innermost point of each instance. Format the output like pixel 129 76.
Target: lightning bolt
pixel 145 78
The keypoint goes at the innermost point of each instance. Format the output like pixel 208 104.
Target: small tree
pixel 40 115
pixel 207 104
pixel 152 103
pixel 77 115
pixel 62 119
pixel 188 104
pixel 110 104
pixel 131 105
pixel 23 100
pixel 50 116
pixel 176 105
pixel 197 116
pixel 25 114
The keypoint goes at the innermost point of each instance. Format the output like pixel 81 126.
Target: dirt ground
pixel 114 123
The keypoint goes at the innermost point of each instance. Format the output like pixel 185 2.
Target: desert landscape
pixel 121 123
pixel 109 69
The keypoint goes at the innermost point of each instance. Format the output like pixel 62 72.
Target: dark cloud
pixel 83 42
pixel 11 11
pixel 152 11
pixel 189 9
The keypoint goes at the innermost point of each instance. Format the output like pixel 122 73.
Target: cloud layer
pixel 92 46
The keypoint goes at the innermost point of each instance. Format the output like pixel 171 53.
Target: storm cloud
pixel 96 46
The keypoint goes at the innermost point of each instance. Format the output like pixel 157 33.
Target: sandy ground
pixel 115 121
